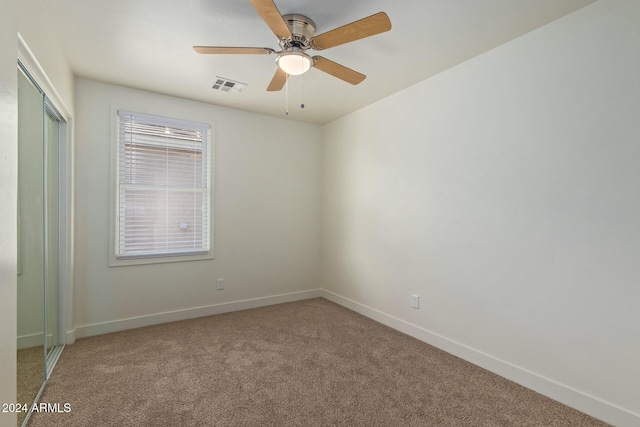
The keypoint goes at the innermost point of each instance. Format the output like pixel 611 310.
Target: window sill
pixel 123 262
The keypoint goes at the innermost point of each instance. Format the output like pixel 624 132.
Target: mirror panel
pixel 30 304
pixel 51 174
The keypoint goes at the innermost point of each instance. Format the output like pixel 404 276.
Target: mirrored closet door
pixel 38 240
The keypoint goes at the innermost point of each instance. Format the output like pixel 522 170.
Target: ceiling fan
pixel 296 35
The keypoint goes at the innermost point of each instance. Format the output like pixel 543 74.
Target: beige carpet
pixel 30 370
pixel 308 363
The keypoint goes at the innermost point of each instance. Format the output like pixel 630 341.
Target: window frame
pixel 114 260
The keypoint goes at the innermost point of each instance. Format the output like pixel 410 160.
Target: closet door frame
pixel 28 62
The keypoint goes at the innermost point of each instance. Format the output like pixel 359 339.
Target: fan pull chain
pixel 286 96
pixel 302 105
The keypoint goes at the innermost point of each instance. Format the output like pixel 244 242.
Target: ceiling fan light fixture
pixel 294 61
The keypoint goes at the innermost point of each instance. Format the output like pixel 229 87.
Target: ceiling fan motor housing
pixel 302 29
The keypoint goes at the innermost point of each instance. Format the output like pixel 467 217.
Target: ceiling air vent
pixel 226 85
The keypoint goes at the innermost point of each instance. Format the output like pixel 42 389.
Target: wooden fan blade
pixel 278 81
pixel 337 70
pixel 224 50
pixel 271 15
pixel 366 27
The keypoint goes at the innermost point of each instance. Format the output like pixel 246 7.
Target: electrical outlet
pixel 220 284
pixel 415 301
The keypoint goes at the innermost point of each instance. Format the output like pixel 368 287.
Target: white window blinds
pixel 163 187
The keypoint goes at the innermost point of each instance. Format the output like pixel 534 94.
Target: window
pixel 163 186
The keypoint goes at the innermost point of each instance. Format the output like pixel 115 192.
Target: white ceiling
pixel 147 44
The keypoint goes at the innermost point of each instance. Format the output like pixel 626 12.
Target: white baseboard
pixel 569 396
pixel 32 340
pixel 191 313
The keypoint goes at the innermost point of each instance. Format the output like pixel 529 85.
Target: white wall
pixel 8 207
pixel 267 186
pixel 504 192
